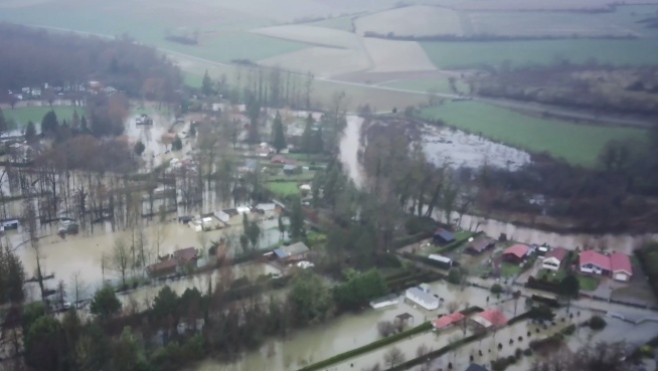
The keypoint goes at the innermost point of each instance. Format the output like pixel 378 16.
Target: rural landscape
pixel 310 185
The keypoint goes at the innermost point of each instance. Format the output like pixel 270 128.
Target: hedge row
pixel 368 348
pixel 411 239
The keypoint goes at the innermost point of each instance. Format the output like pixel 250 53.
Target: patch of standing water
pixel 459 149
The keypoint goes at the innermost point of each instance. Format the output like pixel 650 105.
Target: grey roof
pixel 290 250
pixel 289 167
pixel 383 299
pixel 445 235
pixel 422 295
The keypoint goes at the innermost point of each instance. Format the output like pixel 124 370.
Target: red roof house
pixel 516 253
pixel 594 262
pixel 621 267
pixel 490 318
pixel 185 255
pixel 447 321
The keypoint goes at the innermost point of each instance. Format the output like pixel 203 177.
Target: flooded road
pixel 349 149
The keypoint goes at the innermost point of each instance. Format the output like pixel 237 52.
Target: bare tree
pixel 393 357
pixel 120 259
pixel 452 306
pixel 78 287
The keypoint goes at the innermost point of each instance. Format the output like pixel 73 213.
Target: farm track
pixel 536 108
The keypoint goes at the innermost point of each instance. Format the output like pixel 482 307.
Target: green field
pixel 283 188
pixel 523 53
pixel 438 85
pixel 577 144
pixel 341 23
pixel 588 283
pixel 21 116
pixel 509 270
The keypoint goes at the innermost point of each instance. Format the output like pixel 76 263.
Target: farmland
pixel 577 144
pixel 412 21
pixel 520 53
pixel 427 85
pixel 341 23
pixel 21 116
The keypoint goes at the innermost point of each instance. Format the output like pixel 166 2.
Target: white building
pixel 385 301
pixel 422 298
pixel 221 215
pixel 441 258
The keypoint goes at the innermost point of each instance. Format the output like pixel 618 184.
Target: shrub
pixel 496 288
pixel 527 352
pixel 454 276
pixel 569 330
pixel 597 323
pixel 518 353
pixel 646 351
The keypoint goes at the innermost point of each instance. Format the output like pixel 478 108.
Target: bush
pixel 518 353
pixel 646 351
pixel 527 352
pixel 597 323
pixel 496 288
pixel 569 330
pixel 454 276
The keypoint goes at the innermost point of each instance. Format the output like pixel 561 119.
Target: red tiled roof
pixel 448 320
pixel 493 316
pixel 558 253
pixel 162 266
pixel 620 262
pixel 185 255
pixel 520 250
pixel 595 258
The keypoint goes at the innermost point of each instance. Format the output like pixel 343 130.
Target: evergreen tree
pixel 278 137
pixel 3 123
pixel 177 144
pixel 105 303
pixel 296 228
pixel 139 148
pixel 206 85
pixel 30 132
pixel 12 277
pixel 84 127
pixel 49 124
pixel 307 135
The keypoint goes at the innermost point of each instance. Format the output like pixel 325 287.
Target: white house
pixel 554 258
pixel 385 301
pixel 422 298
pixel 221 215
pixel 441 259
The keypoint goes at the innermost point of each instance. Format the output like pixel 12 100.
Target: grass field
pixel 283 188
pixel 412 21
pixel 521 53
pixel 342 23
pixel 439 85
pixel 577 144
pixel 588 283
pixel 509 270
pixel 21 116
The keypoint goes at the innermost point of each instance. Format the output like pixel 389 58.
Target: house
pixel 222 216
pixel 489 318
pixel 444 261
pixel 474 367
pixel 174 263
pixel 385 301
pixel 621 267
pixel 404 319
pixel 516 253
pixel 295 252
pixel 593 262
pixel 291 169
pixel 442 237
pixel 479 246
pixel 448 321
pixel 426 300
pixel 554 258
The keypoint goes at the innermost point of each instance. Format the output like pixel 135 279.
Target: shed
pixel 490 318
pixel 295 252
pixel 443 236
pixel 480 245
pixel 516 253
pixel 404 318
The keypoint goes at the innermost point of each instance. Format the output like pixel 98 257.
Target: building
pixel 489 318
pixel 291 253
pixel 426 300
pixel 278 159
pixel 385 301
pixel 516 253
pixel 446 261
pixel 621 267
pixel 173 263
pixel 290 169
pixel 222 216
pixel 478 246
pixel 448 321
pixel 474 367
pixel 554 258
pixel 593 262
pixel 442 237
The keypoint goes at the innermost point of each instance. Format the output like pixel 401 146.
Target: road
pixel 538 108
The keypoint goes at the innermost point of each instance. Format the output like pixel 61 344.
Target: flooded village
pixel 155 226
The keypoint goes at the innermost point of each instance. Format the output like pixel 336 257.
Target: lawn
pixel 544 52
pixel 438 85
pixel 549 275
pixel 588 283
pixel 192 80
pixel 509 270
pixel 283 188
pixel 21 116
pixel 577 144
